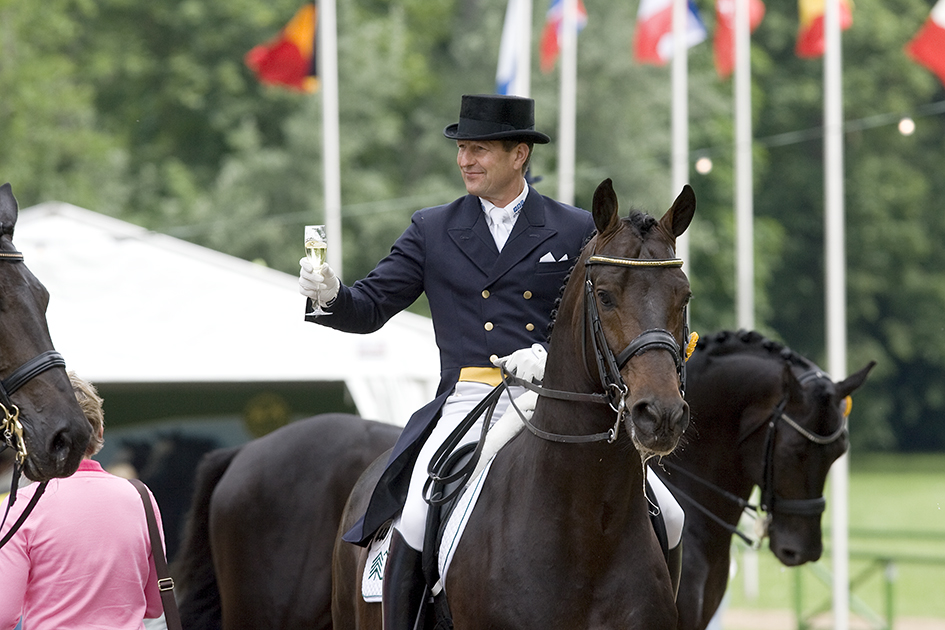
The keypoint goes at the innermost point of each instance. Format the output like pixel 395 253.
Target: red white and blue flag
pixel 551 36
pixel 928 46
pixel 653 39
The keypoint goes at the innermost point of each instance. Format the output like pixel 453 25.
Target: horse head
pixel 39 414
pixel 628 319
pixel 808 434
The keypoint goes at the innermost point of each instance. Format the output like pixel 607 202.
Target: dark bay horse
pixel 561 536
pixel 39 416
pixel 258 543
pixel 764 416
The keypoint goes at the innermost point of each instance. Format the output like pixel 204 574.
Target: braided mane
pixel 729 342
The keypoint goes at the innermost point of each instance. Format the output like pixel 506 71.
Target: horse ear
pixel 605 207
pixel 678 218
pixel 8 207
pixel 852 382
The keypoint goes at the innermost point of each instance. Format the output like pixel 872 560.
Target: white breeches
pixel 412 521
pixel 670 510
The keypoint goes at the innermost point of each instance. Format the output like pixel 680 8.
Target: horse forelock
pixel 641 222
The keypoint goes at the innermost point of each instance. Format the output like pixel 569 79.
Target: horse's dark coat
pixel 271 509
pixel 56 431
pixel 735 382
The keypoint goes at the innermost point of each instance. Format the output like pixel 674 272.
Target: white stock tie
pixel 501 226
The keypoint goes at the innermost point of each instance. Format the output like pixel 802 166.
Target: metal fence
pixel 884 564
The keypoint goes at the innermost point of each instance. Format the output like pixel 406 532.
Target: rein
pixel 770 503
pixel 11 428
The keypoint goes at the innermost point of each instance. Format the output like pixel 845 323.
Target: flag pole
pixel 680 112
pixel 744 205
pixel 568 102
pixel 331 154
pixel 835 287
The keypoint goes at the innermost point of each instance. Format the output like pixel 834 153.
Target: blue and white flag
pixel 511 59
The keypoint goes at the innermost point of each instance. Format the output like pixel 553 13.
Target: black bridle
pixel 11 428
pixel 770 502
pixel 609 365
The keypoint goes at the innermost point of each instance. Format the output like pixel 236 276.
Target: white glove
pixel 527 364
pixel 321 284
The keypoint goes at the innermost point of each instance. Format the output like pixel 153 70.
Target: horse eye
pixel 605 299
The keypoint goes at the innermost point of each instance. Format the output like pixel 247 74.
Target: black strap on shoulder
pixel 29 508
pixel 165 581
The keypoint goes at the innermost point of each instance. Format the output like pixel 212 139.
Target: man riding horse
pixel 492 264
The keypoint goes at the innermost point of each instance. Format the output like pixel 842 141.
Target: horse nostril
pixel 62 444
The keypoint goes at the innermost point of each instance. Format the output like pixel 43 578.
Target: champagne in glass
pixel 316 248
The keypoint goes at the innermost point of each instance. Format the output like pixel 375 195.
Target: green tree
pixel 145 111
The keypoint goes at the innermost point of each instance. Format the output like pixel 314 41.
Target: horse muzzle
pixel 657 424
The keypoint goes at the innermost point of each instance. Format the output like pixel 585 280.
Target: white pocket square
pixel 547 258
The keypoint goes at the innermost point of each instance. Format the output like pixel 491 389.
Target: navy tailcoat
pixel 482 302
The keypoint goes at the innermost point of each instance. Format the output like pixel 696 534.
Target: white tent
pixel 130 306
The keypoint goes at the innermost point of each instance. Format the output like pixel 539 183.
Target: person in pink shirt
pixel 82 558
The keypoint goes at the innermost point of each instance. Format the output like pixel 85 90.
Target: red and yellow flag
pixel 288 60
pixel 810 34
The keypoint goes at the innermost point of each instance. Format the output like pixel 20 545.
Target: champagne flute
pixel 316 248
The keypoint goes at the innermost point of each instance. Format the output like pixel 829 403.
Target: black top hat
pixel 496 117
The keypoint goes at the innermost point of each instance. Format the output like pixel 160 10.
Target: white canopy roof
pixel 128 305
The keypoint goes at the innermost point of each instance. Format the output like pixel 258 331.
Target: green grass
pixel 896 510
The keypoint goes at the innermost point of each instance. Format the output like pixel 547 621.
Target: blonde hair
pixel 91 404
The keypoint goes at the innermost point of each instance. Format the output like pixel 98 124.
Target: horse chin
pixel 651 445
pixel 36 470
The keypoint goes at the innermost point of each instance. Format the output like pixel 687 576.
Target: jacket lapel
pixel 468 230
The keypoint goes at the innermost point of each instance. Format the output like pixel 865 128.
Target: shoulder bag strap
pixel 165 581
pixel 29 508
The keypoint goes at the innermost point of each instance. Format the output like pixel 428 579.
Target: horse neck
pixel 603 468
pixel 731 397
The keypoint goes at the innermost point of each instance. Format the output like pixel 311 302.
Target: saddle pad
pixel 372 581
pixel 456 523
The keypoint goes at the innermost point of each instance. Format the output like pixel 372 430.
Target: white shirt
pixel 501 220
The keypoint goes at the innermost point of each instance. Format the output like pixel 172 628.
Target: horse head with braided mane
pixel 765 416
